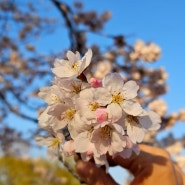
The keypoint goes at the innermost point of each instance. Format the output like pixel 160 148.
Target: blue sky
pixel 159 21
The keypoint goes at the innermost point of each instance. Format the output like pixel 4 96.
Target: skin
pixel 152 166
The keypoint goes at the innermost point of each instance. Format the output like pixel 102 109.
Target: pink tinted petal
pixel 69 148
pixel 90 150
pixel 129 143
pixel 95 82
pixel 101 115
pixel 117 143
pixel 81 142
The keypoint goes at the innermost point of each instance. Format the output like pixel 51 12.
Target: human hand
pixel 152 166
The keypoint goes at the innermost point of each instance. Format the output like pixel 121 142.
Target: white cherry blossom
pixel 71 88
pixel 51 95
pixel 108 139
pixel 136 126
pixel 89 101
pixel 53 142
pixel 72 67
pixel 92 118
pixel 48 121
pixel 122 95
pixel 66 113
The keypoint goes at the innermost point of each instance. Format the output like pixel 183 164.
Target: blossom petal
pixel 86 60
pixel 131 107
pixel 113 82
pixel 130 89
pixel 72 57
pixel 43 118
pixel 149 120
pixel 114 112
pixel 69 148
pixel 64 71
pixel 156 120
pixel 81 142
pixel 117 143
pixel 102 160
pixel 101 145
pixel 102 96
pixel 135 132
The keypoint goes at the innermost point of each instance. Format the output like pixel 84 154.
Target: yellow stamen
pixel 132 119
pixel 55 98
pixel 106 132
pixel 90 132
pixel 117 98
pixel 94 106
pixel 69 113
pixel 76 88
pixel 55 142
pixel 75 66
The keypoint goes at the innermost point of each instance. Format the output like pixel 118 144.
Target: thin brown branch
pixel 2 97
pixel 65 10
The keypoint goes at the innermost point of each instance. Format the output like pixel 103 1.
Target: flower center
pixel 55 142
pixel 55 98
pixel 90 131
pixel 106 132
pixel 76 88
pixel 117 98
pixel 69 113
pixel 94 106
pixel 132 119
pixel 75 66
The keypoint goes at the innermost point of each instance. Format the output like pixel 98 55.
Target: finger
pixel 147 156
pixel 153 165
pixel 93 175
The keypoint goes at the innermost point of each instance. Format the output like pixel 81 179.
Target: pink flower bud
pixel 101 115
pixel 95 82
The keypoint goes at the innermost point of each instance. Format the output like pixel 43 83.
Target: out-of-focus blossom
pixel 53 142
pixel 181 116
pixel 149 52
pixel 158 106
pixel 103 68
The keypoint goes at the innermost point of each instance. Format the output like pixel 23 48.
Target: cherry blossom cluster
pixel 94 117
pixel 149 52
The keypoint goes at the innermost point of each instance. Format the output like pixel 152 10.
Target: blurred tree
pixel 16 171
pixel 24 68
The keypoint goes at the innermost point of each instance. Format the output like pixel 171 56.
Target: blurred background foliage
pixel 26 171
pixel 33 34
